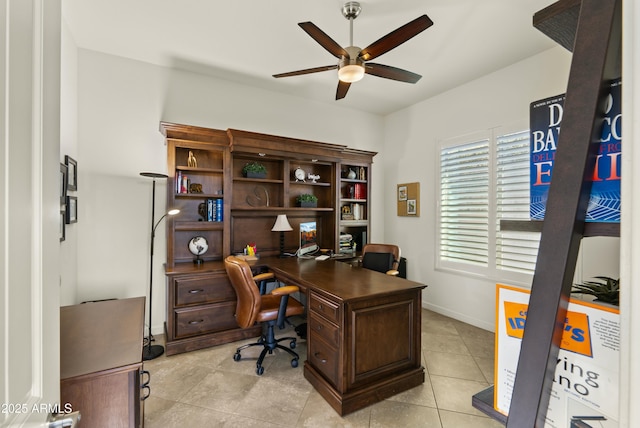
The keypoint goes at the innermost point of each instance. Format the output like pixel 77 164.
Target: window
pixel 483 180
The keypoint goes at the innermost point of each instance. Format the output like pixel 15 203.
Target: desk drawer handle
pixel 320 306
pixel 196 291
pixel 147 392
pixel 196 322
pixel 319 327
pixel 322 360
pixel 144 382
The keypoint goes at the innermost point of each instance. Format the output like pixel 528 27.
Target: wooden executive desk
pixel 363 341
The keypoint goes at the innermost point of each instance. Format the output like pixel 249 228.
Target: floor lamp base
pixel 151 352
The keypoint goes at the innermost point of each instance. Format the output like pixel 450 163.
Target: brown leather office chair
pixel 269 310
pixel 383 258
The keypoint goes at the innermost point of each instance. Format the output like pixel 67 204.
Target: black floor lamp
pixel 150 352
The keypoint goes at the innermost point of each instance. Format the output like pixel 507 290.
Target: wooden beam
pixel 595 63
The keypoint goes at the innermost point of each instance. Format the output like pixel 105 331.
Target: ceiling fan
pixel 353 61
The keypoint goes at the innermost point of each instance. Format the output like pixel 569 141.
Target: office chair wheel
pixel 259 370
pixel 236 356
pixel 294 363
pixel 292 345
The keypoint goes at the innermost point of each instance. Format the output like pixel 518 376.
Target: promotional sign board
pixel 585 385
pixel 545 118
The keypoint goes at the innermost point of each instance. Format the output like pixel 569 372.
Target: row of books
pixel 214 209
pixel 182 183
pixel 357 191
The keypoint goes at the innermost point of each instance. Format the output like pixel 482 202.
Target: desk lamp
pixel 282 225
pixel 150 352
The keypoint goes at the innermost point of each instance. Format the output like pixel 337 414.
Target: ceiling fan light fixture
pixel 351 73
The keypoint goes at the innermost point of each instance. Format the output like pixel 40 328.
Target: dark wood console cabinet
pixel 101 362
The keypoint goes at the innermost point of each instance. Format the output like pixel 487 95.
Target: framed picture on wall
pixel 409 199
pixel 72 209
pixel 72 173
pixel 63 184
pixel 411 207
pixel 402 193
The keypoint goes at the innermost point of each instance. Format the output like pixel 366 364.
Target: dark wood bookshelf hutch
pixel 200 299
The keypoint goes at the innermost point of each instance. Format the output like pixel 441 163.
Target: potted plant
pixel 605 291
pixel 307 200
pixel 254 170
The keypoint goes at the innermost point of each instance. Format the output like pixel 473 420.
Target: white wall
pixel 68 146
pixel 120 105
pixel 412 139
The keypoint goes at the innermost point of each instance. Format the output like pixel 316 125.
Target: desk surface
pixel 338 279
pixel 100 335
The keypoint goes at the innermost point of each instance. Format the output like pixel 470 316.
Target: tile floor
pixel 207 388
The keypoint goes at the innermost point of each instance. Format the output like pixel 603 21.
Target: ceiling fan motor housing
pixel 351 9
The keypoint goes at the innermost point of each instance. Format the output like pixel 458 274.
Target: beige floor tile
pixel 480 346
pixel 455 394
pixel 420 395
pixel 276 400
pixel 453 365
pixel 439 326
pixel 317 413
pixel 171 378
pixel 220 390
pixel 487 367
pixel 444 343
pixel 184 415
pixel 461 420
pixel 395 414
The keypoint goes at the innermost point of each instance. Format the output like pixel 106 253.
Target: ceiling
pixel 248 41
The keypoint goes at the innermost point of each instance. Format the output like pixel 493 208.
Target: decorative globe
pixel 198 245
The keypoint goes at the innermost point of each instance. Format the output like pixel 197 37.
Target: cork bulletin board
pixel 408 196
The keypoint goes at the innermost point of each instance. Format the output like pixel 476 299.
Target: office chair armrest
pixel 392 272
pixel 262 276
pixel 283 292
pixel 287 289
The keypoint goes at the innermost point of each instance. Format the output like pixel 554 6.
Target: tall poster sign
pixel 585 385
pixel 545 118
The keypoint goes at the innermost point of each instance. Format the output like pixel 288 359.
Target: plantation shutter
pixel 464 198
pixel 515 251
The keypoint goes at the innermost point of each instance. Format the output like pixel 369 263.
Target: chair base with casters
pixel 270 343
pixel 270 310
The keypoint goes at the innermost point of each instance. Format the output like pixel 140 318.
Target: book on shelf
pixel 214 209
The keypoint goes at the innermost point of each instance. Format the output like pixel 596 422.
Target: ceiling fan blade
pixel 389 72
pixel 396 38
pixel 325 41
pixel 343 87
pixel 306 71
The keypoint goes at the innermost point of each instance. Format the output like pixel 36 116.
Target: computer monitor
pixel 308 238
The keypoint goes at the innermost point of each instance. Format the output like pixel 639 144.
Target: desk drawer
pixel 323 357
pixel 323 328
pixel 203 289
pixel 326 308
pixel 208 319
